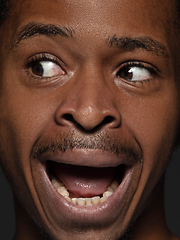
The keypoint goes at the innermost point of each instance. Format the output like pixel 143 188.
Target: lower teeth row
pixel 61 188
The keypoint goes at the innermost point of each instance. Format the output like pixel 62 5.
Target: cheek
pixel 23 118
pixel 154 123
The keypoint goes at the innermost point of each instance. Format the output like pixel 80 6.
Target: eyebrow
pixel 130 43
pixel 145 43
pixel 35 29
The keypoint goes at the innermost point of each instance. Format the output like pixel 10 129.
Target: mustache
pixel 74 140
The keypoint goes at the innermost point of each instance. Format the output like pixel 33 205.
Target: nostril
pixel 108 119
pixel 68 117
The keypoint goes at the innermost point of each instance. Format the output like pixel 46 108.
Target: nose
pixel 88 104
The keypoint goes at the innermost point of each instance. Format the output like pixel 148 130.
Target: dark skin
pixel 113 75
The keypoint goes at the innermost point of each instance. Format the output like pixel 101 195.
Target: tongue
pixel 84 181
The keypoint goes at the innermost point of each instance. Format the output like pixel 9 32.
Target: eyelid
pixel 45 81
pixel 135 63
pixel 43 57
pixel 40 57
pixel 154 71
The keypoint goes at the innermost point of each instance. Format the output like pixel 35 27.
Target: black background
pixel 172 201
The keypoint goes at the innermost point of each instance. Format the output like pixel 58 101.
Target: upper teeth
pixel 61 188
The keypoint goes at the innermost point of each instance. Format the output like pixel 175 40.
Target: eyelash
pixel 152 69
pixel 38 58
pixel 41 57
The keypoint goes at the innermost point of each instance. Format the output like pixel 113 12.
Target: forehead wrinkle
pixel 145 43
pixel 35 29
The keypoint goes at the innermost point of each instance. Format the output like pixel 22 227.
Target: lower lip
pixel 104 213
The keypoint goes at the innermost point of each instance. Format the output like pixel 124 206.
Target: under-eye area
pixel 85 186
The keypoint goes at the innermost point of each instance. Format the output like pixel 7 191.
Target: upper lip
pixel 88 157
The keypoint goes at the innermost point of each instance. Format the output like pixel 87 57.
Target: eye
pixel 135 73
pixel 46 69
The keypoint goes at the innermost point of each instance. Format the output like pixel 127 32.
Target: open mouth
pixel 85 186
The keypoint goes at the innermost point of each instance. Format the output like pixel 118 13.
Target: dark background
pixel 172 201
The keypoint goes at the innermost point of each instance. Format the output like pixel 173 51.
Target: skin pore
pixel 90 87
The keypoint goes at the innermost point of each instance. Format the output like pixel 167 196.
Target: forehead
pixel 93 22
pixel 97 16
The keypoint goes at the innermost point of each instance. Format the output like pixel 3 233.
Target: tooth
pixel 63 191
pixel 114 185
pixel 74 200
pixel 107 194
pixel 103 199
pixel 62 188
pixel 56 183
pixel 67 198
pixel 109 189
pixel 95 200
pixel 88 202
pixel 81 201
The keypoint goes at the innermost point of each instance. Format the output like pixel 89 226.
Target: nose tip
pixel 89 117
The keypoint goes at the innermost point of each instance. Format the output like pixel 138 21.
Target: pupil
pixel 126 73
pixel 37 69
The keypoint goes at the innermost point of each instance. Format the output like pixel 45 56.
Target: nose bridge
pixel 91 87
pixel 89 101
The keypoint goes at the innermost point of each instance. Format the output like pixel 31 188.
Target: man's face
pixel 89 95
